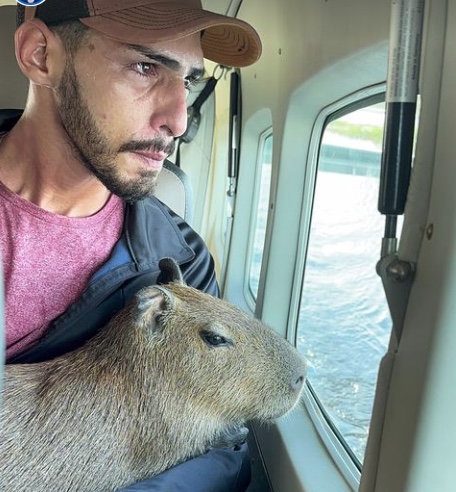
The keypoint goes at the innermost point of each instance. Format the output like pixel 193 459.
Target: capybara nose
pixel 297 383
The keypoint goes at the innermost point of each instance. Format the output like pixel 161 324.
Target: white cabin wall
pixel 315 53
pixel 305 46
pixel 417 452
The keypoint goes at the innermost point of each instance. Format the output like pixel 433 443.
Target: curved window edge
pixel 255 234
pixel 348 464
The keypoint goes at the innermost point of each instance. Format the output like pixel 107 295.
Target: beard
pixel 92 147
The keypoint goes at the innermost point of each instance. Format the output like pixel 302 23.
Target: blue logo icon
pixel 30 3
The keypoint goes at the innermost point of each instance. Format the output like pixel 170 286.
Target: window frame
pixel 343 456
pixel 249 296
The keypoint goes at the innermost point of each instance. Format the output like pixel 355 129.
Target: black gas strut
pixel 234 130
pixel 401 98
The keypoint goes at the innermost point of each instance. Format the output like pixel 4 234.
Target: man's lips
pixel 152 159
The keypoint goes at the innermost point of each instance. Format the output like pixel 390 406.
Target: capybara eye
pixel 214 339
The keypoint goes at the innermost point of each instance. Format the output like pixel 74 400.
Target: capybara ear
pixel 169 272
pixel 154 300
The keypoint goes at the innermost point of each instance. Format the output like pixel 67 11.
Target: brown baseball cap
pixel 225 40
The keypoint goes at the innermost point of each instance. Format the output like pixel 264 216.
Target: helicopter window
pixel 260 211
pixel 344 322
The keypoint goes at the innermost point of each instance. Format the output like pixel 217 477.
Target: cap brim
pixel 228 41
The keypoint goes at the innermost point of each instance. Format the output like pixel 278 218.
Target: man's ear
pixel 39 52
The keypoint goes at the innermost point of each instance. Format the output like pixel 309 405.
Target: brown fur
pixel 146 393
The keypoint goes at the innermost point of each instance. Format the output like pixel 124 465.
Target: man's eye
pixel 145 69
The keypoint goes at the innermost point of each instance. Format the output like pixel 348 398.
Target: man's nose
pixel 170 112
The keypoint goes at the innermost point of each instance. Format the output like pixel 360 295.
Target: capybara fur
pixel 169 377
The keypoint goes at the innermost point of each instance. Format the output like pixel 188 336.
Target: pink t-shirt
pixel 47 261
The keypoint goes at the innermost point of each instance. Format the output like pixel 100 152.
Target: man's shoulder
pixel 152 212
pixel 151 207
pixel 166 234
pixel 153 230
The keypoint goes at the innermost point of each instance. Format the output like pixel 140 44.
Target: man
pixel 80 231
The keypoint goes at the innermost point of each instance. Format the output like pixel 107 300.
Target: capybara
pixel 173 374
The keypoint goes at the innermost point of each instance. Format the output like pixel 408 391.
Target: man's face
pixel 122 106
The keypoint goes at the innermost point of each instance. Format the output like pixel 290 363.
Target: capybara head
pixel 230 365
